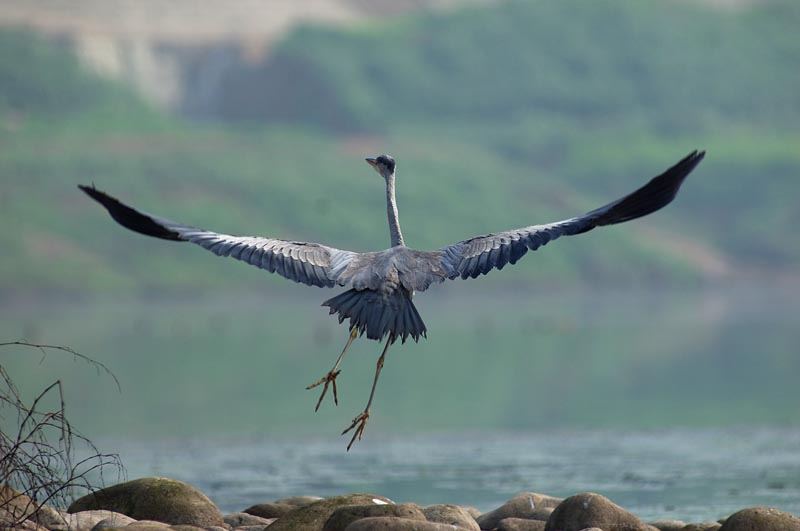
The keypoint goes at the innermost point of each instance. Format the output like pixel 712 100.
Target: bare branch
pixel 38 455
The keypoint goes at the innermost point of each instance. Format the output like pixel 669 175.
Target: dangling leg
pixel 360 422
pixel 331 376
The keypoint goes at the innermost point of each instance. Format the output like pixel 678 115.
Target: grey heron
pixel 382 284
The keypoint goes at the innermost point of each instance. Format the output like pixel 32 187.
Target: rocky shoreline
pixel 162 504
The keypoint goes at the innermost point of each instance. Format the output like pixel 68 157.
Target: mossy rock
pixel 592 510
pixel 312 517
pixel 160 499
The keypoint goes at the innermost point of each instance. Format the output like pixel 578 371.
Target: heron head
pixel 383 164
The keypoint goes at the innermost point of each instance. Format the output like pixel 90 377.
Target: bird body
pixel 382 284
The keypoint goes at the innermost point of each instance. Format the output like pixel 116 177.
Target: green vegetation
pixel 500 116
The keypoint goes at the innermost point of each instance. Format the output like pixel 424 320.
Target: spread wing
pixel 479 255
pixel 308 263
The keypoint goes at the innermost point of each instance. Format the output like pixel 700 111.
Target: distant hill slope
pixel 499 116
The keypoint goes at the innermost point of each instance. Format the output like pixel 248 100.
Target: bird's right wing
pixel 308 263
pixel 479 255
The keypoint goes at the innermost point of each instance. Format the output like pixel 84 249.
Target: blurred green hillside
pixel 500 116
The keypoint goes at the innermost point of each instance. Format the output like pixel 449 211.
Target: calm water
pixel 689 474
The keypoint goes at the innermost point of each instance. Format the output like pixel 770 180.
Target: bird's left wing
pixel 308 263
pixel 479 255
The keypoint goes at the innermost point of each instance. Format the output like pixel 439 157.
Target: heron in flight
pixel 382 284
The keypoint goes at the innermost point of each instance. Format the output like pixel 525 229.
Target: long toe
pixel 359 423
pixel 328 379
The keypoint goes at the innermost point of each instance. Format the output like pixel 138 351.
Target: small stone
pixel 592 510
pixel 161 499
pixel 145 525
pixel 88 520
pixel 270 510
pixel 299 501
pixel 243 519
pixel 451 514
pixel 520 524
pixel 254 527
pixel 702 526
pixel 115 520
pixel 528 505
pixel 9 520
pixel 668 525
pixel 344 516
pixel 761 519
pixel 183 527
pixel 312 517
pixel 391 523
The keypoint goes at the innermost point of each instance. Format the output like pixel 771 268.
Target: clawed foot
pixel 327 380
pixel 359 423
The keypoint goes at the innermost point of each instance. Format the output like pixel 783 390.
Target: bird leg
pixel 331 376
pixel 360 422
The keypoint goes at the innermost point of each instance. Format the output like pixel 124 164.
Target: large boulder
pixel 528 505
pixel 761 519
pixel 451 514
pixel 592 510
pixel 160 499
pixel 312 517
pixel 344 516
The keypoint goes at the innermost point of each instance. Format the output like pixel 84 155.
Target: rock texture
pixel 527 505
pixel 451 514
pixel 520 524
pixel 761 519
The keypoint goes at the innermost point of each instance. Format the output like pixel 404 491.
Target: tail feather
pixel 378 314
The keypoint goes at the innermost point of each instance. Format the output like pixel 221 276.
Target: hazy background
pixel 254 118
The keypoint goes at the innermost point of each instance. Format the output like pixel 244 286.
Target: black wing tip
pixel 128 217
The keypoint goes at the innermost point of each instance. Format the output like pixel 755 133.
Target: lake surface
pixel 688 474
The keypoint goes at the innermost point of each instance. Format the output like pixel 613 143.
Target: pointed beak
pixel 371 162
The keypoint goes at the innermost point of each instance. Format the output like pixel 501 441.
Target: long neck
pixel 391 211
